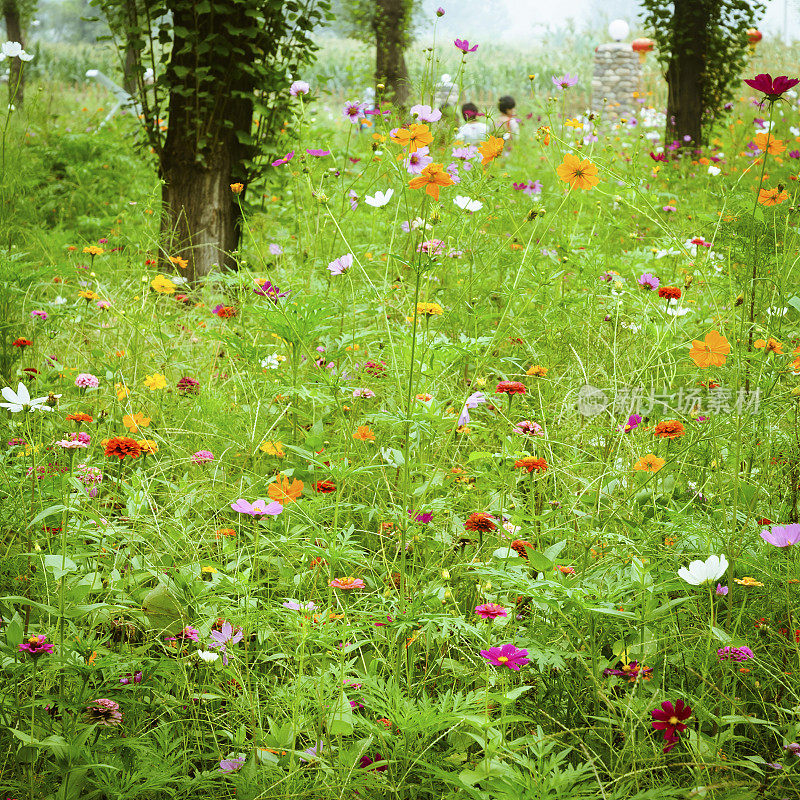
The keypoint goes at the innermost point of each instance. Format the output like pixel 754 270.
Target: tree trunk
pixel 391 21
pixel 685 73
pixel 200 217
pixel 16 85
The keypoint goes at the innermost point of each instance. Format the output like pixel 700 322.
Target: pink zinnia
pixel 202 456
pixel 491 611
pixel 347 583
pixel 87 381
pixel 36 646
pixel 506 656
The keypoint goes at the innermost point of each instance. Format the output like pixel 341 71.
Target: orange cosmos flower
pixel 285 492
pixel 768 144
pixel 649 463
pixel 364 434
pixel 712 352
pixel 669 429
pixel 771 346
pixel 772 197
pixel 179 262
pixel 579 174
pixel 490 149
pixel 432 177
pixel 135 421
pixel 413 137
pixel 81 417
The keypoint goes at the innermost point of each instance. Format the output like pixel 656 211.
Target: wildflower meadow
pixel 475 475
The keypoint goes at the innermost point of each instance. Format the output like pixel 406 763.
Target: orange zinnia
pixel 712 352
pixel 364 434
pixel 122 446
pixel 81 417
pixel 579 174
pixel 772 197
pixel 768 144
pixel 432 177
pixel 413 137
pixel 649 463
pixel 285 492
pixel 530 463
pixel 669 429
pixel 490 149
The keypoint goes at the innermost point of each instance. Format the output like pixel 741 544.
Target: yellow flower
pixel 88 294
pixel 179 262
pixel 122 391
pixel 135 421
pixel 93 250
pixel 574 123
pixel 579 174
pixel 149 447
pixel 208 570
pixel 162 285
pixel 273 449
pixel 537 371
pixel 155 381
pixel 649 463
pixel 748 581
pixel 429 309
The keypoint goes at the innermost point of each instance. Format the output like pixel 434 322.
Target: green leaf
pixel 163 611
pixel 59 565
pixel 342 722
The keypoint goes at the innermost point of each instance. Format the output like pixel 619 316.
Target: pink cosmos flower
pixel 353 111
pixel 228 765
pixel 527 428
pixel 416 162
pixel 299 87
pixel 285 160
pixel 275 249
pixel 491 611
pixel 506 656
pixel 318 153
pixel 258 508
pixel 463 46
pixel 340 265
pixel 564 81
pixel 225 637
pixel 426 113
pixel 202 457
pixel 782 535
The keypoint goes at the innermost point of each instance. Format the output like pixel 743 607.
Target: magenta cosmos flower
pixel 228 765
pixel 318 153
pixel 463 46
pixel 671 720
pixel 258 508
pixel 491 611
pixel 39 315
pixel 353 111
pixel 202 456
pixel 506 656
pixel 279 162
pixel 36 646
pixel 782 535
pixel 773 89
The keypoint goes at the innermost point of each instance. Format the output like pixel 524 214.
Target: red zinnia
pixel 480 521
pixel 521 547
pixel 670 292
pixel 81 417
pixel 670 719
pixel 326 487
pixel 121 446
pixel 510 387
pixel 21 342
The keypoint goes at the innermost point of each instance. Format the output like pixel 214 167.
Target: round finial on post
pixel 618 30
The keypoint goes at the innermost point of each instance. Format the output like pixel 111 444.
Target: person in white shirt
pixel 507 123
pixel 472 131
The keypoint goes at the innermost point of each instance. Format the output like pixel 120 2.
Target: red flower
pixel 521 547
pixel 670 292
pixel 773 89
pixel 530 463
pixel 510 388
pixel 670 719
pixel 22 342
pixel 325 487
pixel 480 521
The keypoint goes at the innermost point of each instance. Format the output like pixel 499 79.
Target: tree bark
pixel 391 21
pixel 16 84
pixel 200 216
pixel 685 73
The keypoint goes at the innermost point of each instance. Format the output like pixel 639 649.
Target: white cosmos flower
pixel 209 656
pixel 379 198
pixel 700 572
pixel 21 400
pixel 712 170
pixel 467 203
pixel 11 49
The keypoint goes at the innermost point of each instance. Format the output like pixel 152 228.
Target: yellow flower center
pixel 673 720
pixel 502 659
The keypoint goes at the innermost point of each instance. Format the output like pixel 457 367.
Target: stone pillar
pixel 617 76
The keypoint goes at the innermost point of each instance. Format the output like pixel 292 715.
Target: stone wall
pixel 617 76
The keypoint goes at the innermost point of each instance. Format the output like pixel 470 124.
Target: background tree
pixel 16 15
pixel 702 45
pixel 222 74
pixel 388 24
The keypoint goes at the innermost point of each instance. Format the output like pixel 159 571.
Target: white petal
pixel 9 395
pixel 687 576
pixel 23 395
